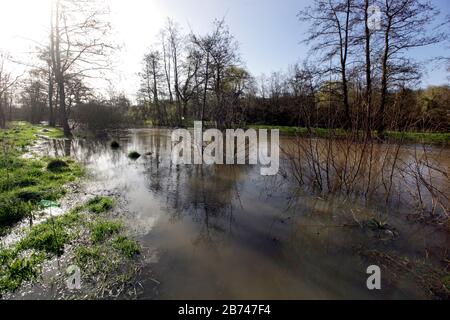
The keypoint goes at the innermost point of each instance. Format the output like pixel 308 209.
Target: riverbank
pixel 409 137
pixel 36 232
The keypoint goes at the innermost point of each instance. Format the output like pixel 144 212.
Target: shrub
pixel 134 155
pixel 115 145
pixel 57 165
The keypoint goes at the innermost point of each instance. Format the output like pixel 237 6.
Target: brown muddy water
pixel 226 232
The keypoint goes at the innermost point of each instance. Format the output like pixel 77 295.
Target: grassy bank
pixel 25 182
pixel 97 244
pixel 99 247
pixel 410 137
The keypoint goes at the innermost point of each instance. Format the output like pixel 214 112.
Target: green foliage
pixel 85 255
pixel 15 270
pixel 100 204
pixel 49 236
pixel 375 224
pixel 26 182
pixel 12 210
pixel 127 247
pixel 103 229
pixel 57 165
pixel 412 137
pixel 115 145
pixel 134 155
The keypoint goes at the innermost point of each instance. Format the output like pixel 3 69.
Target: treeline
pixel 358 76
pixel 278 103
pixel 189 76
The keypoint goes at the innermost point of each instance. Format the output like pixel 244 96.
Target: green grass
pixel 127 247
pixel 14 270
pixel 287 130
pixel 25 182
pixel 22 262
pixel 412 137
pixel 49 238
pixel 420 137
pixel 100 204
pixel 57 165
pixel 86 255
pixel 103 229
pixel 50 132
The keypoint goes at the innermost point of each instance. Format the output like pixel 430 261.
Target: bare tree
pixel 77 45
pixel 175 41
pixel 221 52
pixel 332 35
pixel 150 81
pixel 7 81
pixel 404 26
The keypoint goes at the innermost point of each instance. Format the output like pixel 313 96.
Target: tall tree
pixel 77 45
pixel 405 25
pixel 150 81
pixel 332 34
pixel 7 81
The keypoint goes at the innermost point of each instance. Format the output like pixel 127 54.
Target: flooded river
pixel 226 232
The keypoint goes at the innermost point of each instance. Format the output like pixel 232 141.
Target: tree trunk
pixel 368 73
pixel 59 73
pixel 205 88
pixel 348 121
pixel 384 82
pixel 167 70
pixel 155 92
pixel 51 120
pixel 62 110
pixel 2 115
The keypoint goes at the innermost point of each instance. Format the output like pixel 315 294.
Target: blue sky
pixel 268 32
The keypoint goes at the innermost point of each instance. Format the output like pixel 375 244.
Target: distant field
pixel 413 137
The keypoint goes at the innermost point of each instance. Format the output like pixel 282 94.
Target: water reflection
pixel 224 231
